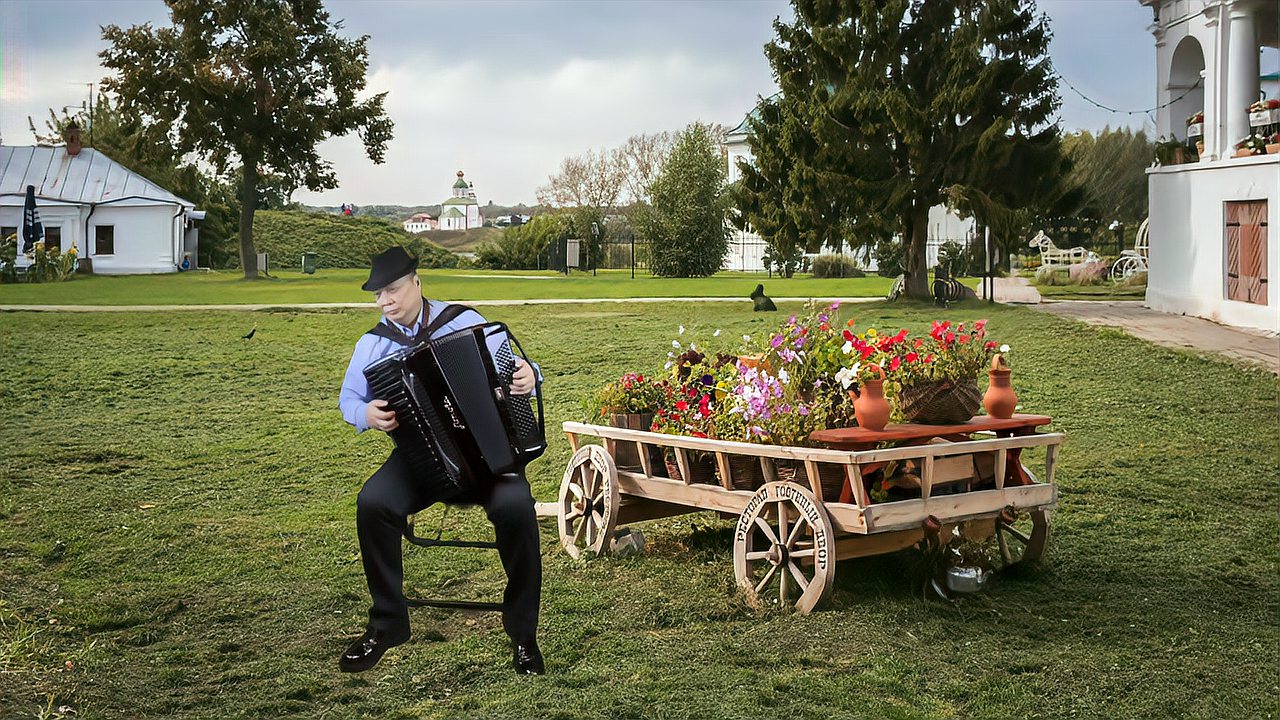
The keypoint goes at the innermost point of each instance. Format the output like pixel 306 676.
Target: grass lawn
pixel 289 288
pixel 177 534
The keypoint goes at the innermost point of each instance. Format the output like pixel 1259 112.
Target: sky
pixel 505 90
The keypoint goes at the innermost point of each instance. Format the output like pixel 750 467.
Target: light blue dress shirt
pixel 355 398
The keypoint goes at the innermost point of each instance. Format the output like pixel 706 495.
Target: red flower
pixel 895 363
pixel 964 339
pixel 913 357
pixel 698 433
pixel 919 343
pixel 991 345
pixel 902 335
pixel 949 338
pixel 928 358
pixel 682 405
pixel 848 335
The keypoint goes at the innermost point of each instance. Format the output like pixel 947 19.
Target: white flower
pixel 783 376
pixel 746 338
pixel 693 346
pixel 847 347
pixel 846 376
pixel 671 355
pixel 667 366
pixel 681 329
pixel 716 333
pixel 1004 348
pixel 675 344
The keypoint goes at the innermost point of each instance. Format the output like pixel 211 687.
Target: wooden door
pixel 1246 240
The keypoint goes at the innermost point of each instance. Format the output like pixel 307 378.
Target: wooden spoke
pixel 767 577
pixel 768 531
pixel 799 576
pixel 766 547
pixel 588 501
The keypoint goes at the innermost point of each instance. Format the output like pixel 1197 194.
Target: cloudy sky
pixel 504 90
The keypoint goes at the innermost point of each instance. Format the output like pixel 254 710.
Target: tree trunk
pixel 248 203
pixel 916 235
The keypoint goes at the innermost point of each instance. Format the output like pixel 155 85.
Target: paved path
pixel 1173 330
pixel 370 305
pixel 1013 290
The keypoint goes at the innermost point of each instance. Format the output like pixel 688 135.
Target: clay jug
pixel 1000 399
pixel 870 407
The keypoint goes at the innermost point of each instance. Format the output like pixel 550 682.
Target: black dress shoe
pixel 528 659
pixel 368 649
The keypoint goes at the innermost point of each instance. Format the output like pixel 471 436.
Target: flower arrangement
pixel 1268 104
pixel 925 374
pixel 806 355
pixel 1255 144
pixel 633 393
pixel 1197 117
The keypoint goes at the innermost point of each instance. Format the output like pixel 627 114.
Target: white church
pixel 461 211
pixel 1213 222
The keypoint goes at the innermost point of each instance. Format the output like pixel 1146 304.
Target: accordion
pixel 458 423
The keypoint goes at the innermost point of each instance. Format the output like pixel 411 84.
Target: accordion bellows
pixel 458 424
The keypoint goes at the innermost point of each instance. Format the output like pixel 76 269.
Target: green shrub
pixel 830 265
pixel 523 247
pixel 889 255
pixel 339 241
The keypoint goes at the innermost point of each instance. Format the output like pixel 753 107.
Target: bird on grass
pixel 762 302
pixel 250 335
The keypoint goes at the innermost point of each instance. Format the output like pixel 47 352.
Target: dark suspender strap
pixel 446 315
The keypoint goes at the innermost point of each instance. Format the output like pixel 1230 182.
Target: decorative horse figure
pixel 1051 254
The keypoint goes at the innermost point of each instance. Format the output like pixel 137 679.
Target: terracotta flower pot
pixel 870 408
pixel 1000 400
pixel 1273 148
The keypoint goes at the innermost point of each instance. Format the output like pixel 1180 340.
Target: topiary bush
pixel 830 265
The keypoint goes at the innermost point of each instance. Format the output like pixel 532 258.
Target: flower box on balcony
pixel 1195 130
pixel 1260 118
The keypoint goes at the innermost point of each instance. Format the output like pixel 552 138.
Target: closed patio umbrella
pixel 32 228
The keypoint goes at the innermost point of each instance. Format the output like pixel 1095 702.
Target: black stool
pixel 412 537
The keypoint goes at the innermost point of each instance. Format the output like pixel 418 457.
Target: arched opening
pixel 1186 85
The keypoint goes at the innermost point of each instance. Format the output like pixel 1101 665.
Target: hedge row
pixel 338 241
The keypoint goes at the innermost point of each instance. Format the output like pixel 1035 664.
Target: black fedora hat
pixel 388 266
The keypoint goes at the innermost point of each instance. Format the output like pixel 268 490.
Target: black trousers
pixel 382 508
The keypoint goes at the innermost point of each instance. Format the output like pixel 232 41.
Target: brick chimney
pixel 72 134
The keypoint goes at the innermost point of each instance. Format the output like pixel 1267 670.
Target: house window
pixel 7 231
pixel 1246 241
pixel 104 240
pixel 53 237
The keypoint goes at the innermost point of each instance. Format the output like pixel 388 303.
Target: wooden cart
pixel 789 535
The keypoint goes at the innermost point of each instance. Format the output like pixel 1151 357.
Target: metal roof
pixel 87 178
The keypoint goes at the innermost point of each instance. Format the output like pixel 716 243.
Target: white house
pixel 421 222
pixel 461 211
pixel 118 220
pixel 1213 223
pixel 746 247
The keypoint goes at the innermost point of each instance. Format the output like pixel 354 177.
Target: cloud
pixel 509 129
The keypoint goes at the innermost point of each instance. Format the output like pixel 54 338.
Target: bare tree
pixel 640 159
pixel 591 180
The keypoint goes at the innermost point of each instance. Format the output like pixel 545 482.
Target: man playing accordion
pixel 391 494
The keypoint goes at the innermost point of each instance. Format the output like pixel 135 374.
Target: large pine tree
pixel 889 107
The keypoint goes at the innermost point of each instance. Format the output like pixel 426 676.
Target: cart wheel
pixel 1022 536
pixel 588 505
pixel 783 547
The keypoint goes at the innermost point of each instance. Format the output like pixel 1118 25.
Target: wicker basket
pixel 746 472
pixel 702 469
pixel 830 476
pixel 940 403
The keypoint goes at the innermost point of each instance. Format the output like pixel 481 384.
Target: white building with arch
pixel 462 210
pixel 1214 223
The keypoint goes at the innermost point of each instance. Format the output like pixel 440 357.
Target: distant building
pixel 461 211
pixel 422 222
pixel 117 219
